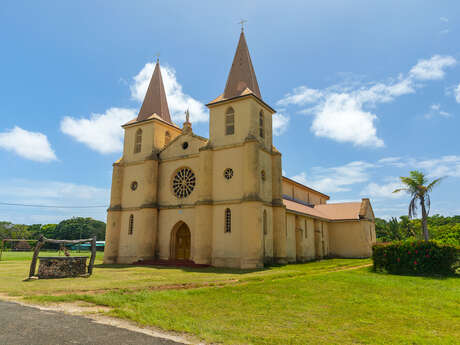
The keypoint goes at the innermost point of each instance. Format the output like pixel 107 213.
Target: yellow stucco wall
pixel 352 239
pixel 294 191
pixel 256 186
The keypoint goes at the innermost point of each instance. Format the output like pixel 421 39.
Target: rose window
pixel 228 173
pixel 184 183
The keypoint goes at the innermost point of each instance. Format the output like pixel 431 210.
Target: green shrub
pixel 416 257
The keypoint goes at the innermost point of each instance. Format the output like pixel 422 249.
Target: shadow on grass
pixel 417 275
pixel 186 269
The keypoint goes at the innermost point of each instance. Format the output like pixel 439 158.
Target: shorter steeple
pixel 242 75
pixel 155 99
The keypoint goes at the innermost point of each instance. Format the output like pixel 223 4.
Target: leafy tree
pixel 406 227
pixel 77 228
pixel 48 230
pixel 419 189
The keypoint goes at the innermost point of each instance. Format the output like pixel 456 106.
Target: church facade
pixel 221 200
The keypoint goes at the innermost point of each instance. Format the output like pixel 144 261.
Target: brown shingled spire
pixel 155 99
pixel 242 73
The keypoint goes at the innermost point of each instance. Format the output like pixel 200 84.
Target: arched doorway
pixel 180 242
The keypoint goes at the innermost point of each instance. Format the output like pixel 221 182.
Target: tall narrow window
pixel 167 138
pixel 230 122
pixel 265 222
pixel 138 141
pixel 261 124
pixel 131 225
pixel 228 220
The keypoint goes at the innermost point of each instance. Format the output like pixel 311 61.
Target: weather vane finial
pixel 242 22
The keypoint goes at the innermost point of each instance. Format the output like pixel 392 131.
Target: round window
pixel 228 173
pixel 133 185
pixel 184 182
pixel 185 145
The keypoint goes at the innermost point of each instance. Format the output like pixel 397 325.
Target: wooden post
pixel 93 255
pixel 1 249
pixel 33 264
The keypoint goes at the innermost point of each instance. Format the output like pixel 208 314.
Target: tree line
pixel 69 229
pixel 442 229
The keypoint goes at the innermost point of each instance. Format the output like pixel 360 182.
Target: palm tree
pixel 416 186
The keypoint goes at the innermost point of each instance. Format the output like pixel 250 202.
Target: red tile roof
pixel 338 211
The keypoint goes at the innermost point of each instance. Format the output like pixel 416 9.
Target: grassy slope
pixel 107 277
pixel 294 304
pixel 349 307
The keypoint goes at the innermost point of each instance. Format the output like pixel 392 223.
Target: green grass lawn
pixel 129 277
pixel 313 303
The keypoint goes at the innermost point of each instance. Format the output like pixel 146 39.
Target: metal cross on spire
pixel 242 22
pixel 157 55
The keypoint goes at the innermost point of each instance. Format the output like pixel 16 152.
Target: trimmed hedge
pixel 416 257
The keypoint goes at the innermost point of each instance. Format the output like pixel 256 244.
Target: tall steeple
pixel 242 75
pixel 155 99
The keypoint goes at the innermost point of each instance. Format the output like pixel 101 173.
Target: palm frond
pixel 400 190
pixel 435 182
pixel 428 203
pixel 413 207
pixel 418 177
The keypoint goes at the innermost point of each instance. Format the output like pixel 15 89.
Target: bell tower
pixel 240 138
pixel 240 113
pixel 133 214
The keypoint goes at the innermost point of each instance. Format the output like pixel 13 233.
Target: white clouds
pixel 30 145
pixel 344 113
pixel 435 110
pixel 280 123
pixel 444 19
pixel 101 132
pixel 54 193
pixel 457 93
pixel 384 191
pixel 339 113
pixel 432 69
pixel 445 166
pixel 392 161
pixel 344 178
pixel 178 101
pixel 336 179
pixel 301 96
pixel 341 118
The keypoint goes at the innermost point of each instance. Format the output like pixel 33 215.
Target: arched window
pixel 138 141
pixel 167 138
pixel 228 220
pixel 230 121
pixel 131 225
pixel 261 124
pixel 265 222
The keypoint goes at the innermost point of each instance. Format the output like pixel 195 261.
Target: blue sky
pixel 365 93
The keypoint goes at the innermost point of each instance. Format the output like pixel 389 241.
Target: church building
pixel 222 200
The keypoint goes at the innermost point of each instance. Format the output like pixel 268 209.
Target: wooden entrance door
pixel 182 244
